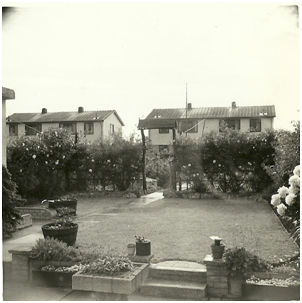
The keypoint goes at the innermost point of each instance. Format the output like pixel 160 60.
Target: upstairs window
pixel 89 128
pixel 70 127
pixel 32 129
pixel 233 124
pixel 255 125
pixel 111 129
pixel 13 130
pixel 163 130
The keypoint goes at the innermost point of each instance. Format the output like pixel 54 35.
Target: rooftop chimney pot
pixel 80 109
pixel 234 105
pixel 44 110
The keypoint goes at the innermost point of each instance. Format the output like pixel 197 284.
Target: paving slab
pixel 179 265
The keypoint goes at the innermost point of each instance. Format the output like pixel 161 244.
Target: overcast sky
pixel 136 57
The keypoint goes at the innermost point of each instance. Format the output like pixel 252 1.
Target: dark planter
pixel 143 248
pixel 71 203
pixel 52 278
pixel 235 286
pixel 217 251
pixel 67 234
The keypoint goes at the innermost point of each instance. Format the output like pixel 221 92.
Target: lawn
pixel 180 228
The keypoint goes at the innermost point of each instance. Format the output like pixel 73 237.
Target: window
pixel 88 128
pixel 31 129
pixel 189 126
pixel 13 129
pixel 229 123
pixel 255 125
pixel 111 129
pixel 163 130
pixel 70 127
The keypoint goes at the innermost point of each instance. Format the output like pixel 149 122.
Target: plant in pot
pixel 240 263
pixel 142 246
pixel 217 247
pixel 62 229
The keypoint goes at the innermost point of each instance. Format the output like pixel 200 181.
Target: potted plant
pixel 62 229
pixel 240 263
pixel 217 247
pixel 142 246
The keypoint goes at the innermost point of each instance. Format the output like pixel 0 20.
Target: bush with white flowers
pixel 287 200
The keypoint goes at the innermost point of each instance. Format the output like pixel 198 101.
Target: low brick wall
pixel 37 213
pixel 26 221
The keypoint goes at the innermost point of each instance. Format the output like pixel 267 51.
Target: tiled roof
pixel 62 117
pixel 165 117
pixel 156 123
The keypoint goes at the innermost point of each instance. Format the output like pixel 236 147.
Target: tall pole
pixel 186 107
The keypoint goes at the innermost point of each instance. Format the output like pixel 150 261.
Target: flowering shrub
pixel 109 265
pixel 286 156
pixel 287 201
pixel 49 164
pixel 10 217
pixel 54 250
pixel 241 262
pixel 234 161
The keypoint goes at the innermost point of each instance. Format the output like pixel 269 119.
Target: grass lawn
pixel 180 228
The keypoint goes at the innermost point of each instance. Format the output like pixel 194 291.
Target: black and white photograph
pixel 150 150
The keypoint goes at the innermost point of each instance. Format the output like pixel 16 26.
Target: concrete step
pixel 174 289
pixel 194 274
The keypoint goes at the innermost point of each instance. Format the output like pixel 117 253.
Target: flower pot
pixel 235 286
pixel 217 251
pixel 143 248
pixel 131 249
pixel 66 234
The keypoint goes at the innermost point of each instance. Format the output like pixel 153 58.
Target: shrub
pixel 54 250
pixel 286 155
pixel 38 163
pixel 10 216
pixel 109 265
pixel 234 161
pixel 241 262
pixel 157 166
pixel 49 164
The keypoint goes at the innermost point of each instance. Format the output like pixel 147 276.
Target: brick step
pixel 174 289
pixel 178 274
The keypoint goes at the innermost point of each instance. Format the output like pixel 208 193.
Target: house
pixel 196 122
pixel 90 126
pixel 7 94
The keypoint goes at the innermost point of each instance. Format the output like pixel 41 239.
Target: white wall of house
pixel 266 123
pixel 245 125
pixel 112 119
pixel 206 126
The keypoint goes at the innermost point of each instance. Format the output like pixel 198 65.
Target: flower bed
pixel 125 282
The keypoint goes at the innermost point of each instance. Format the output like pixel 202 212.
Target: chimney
pixel 80 109
pixel 234 105
pixel 44 110
pixel 189 106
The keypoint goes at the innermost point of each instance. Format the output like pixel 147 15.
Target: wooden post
pixel 173 168
pixel 144 162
